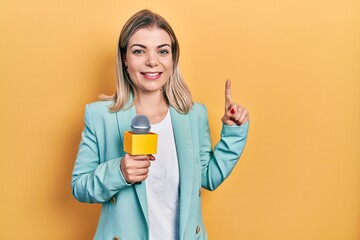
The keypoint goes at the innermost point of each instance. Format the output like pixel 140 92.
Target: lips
pixel 151 75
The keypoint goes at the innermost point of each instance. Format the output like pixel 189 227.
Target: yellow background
pixel 294 64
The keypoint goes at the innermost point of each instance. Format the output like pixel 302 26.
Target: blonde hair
pixel 175 91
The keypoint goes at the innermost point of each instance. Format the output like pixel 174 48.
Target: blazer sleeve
pixel 217 165
pixel 94 181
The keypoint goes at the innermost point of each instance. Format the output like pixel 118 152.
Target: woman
pixel 153 197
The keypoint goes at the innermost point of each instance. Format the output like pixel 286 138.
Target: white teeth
pixel 152 74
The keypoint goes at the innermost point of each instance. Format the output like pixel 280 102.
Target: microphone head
pixel 140 125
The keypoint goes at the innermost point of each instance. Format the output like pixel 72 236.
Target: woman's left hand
pixel 234 113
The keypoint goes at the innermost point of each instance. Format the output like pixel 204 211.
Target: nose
pixel 151 59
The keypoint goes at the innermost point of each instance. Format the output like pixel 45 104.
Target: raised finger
pixel 227 94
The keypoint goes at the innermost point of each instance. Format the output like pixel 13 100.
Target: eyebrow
pixel 143 46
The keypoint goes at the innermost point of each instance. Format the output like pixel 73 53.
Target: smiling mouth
pixel 151 75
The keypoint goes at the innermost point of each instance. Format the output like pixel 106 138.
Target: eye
pixel 164 52
pixel 138 51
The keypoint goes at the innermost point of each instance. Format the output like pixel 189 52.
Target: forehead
pixel 150 37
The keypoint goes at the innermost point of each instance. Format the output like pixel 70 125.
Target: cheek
pixel 168 64
pixel 133 68
pixel 132 73
pixel 132 64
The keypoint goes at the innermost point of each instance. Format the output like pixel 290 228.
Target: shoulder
pixel 99 106
pixel 98 110
pixel 198 112
pixel 198 109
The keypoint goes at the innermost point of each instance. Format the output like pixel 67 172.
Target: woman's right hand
pixel 135 168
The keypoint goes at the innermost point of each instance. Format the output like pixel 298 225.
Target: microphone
pixel 140 125
pixel 140 141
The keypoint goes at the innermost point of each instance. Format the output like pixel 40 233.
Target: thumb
pixel 230 113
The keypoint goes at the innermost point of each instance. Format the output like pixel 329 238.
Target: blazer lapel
pixel 124 119
pixel 185 152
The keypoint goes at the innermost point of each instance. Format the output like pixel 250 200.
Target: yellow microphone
pixel 140 141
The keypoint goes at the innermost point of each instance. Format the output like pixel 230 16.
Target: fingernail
pixel 238 124
pixel 232 111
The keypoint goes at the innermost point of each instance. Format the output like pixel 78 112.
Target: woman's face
pixel 149 59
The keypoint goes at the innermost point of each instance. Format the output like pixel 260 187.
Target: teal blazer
pixel 97 178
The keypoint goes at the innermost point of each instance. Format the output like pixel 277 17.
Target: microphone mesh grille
pixel 140 124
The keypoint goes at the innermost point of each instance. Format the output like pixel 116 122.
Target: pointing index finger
pixel 227 94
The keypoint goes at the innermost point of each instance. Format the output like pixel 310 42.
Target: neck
pixel 153 105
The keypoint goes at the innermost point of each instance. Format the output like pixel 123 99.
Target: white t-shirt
pixel 162 185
